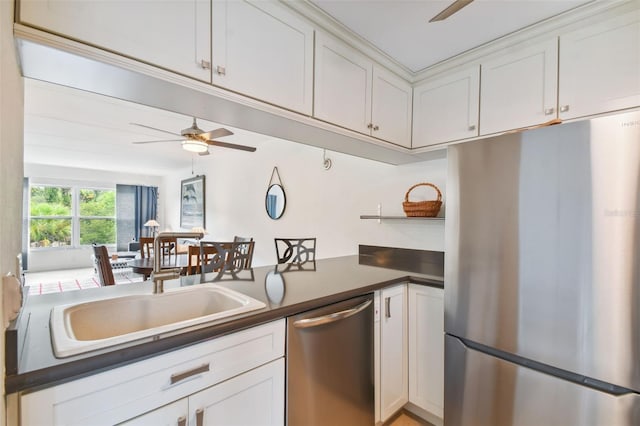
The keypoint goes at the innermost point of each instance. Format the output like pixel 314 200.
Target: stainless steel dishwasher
pixel 330 378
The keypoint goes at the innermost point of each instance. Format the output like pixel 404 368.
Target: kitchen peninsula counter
pixel 322 282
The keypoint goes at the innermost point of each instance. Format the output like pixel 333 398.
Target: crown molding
pixel 328 23
pixel 552 27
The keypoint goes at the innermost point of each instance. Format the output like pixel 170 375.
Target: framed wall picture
pixel 192 203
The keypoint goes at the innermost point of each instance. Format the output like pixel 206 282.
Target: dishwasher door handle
pixel 326 319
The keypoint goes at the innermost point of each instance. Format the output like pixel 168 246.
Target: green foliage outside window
pixel 51 210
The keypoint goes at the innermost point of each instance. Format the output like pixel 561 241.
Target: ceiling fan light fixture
pixel 194 146
pixel 450 10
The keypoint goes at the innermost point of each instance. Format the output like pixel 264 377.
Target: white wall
pixel 11 131
pixel 322 204
pixel 68 258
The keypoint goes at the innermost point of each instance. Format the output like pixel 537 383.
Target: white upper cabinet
pixel 600 67
pixel 445 108
pixel 519 89
pixel 352 92
pixel 174 35
pixel 262 50
pixel 391 107
pixel 342 84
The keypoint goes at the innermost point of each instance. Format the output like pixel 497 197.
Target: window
pixel 69 216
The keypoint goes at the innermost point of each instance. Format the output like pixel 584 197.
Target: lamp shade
pixel 152 222
pixel 194 146
pixel 199 229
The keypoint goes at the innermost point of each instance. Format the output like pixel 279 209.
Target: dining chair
pixel 146 246
pixel 245 249
pixel 195 259
pixel 295 250
pixel 240 256
pixel 105 273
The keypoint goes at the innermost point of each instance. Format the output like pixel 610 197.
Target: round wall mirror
pixel 275 201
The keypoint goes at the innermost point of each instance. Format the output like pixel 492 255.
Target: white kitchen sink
pixel 84 327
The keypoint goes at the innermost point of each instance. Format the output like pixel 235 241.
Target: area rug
pixel 80 283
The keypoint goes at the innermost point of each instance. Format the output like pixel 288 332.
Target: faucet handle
pixel 166 274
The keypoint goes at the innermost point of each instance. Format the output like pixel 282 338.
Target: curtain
pixel 25 223
pixel 135 206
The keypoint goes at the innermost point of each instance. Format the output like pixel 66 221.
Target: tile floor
pixel 72 279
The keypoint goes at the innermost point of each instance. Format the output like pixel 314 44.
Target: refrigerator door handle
pixel 336 316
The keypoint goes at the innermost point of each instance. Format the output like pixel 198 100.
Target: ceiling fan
pixel 450 10
pixel 194 139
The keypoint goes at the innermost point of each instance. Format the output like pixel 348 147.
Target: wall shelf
pixel 378 217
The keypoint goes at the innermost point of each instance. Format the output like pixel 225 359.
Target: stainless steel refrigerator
pixel 542 277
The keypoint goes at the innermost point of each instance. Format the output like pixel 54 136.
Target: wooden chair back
pixel 194 260
pixel 241 255
pixel 169 246
pixel 295 250
pixel 105 273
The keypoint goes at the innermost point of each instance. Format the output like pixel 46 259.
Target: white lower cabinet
pixel 243 369
pixel 426 348
pixel 262 389
pixel 393 350
pixel 409 327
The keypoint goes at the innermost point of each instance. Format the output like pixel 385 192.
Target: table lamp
pixel 153 224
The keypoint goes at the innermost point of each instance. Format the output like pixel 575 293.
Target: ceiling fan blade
pixel 231 145
pixel 156 129
pixel 168 140
pixel 217 133
pixel 450 10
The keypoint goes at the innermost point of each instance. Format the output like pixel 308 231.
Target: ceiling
pixel 402 30
pixel 69 127
pixel 74 128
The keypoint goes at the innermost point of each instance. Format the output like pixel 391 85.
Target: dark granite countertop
pixel 326 281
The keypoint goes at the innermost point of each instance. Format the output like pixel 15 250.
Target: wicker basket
pixel 422 208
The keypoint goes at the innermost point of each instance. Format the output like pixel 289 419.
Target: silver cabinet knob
pixel 370 126
pixel 472 127
pixel 564 108
pixel 549 111
pixel 221 70
pixel 205 64
pixel 376 128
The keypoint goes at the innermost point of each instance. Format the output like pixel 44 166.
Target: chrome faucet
pixel 159 275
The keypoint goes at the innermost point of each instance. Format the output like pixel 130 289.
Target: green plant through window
pixel 71 216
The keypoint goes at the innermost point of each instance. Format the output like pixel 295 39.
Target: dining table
pixel 144 266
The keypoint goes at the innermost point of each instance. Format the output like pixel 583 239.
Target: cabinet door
pixel 391 108
pixel 342 85
pixel 264 51
pixel 170 34
pixel 393 351
pixel 174 414
pixel 253 398
pixel 600 67
pixel 446 108
pixel 426 348
pixel 519 89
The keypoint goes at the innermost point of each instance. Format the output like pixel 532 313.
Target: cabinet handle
pixel 199 417
pixel 182 421
pixel 549 111
pixel 564 108
pixel 370 125
pixel 387 307
pixel 376 128
pixel 205 64
pixel 176 377
pixel 472 127
pixel 221 70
